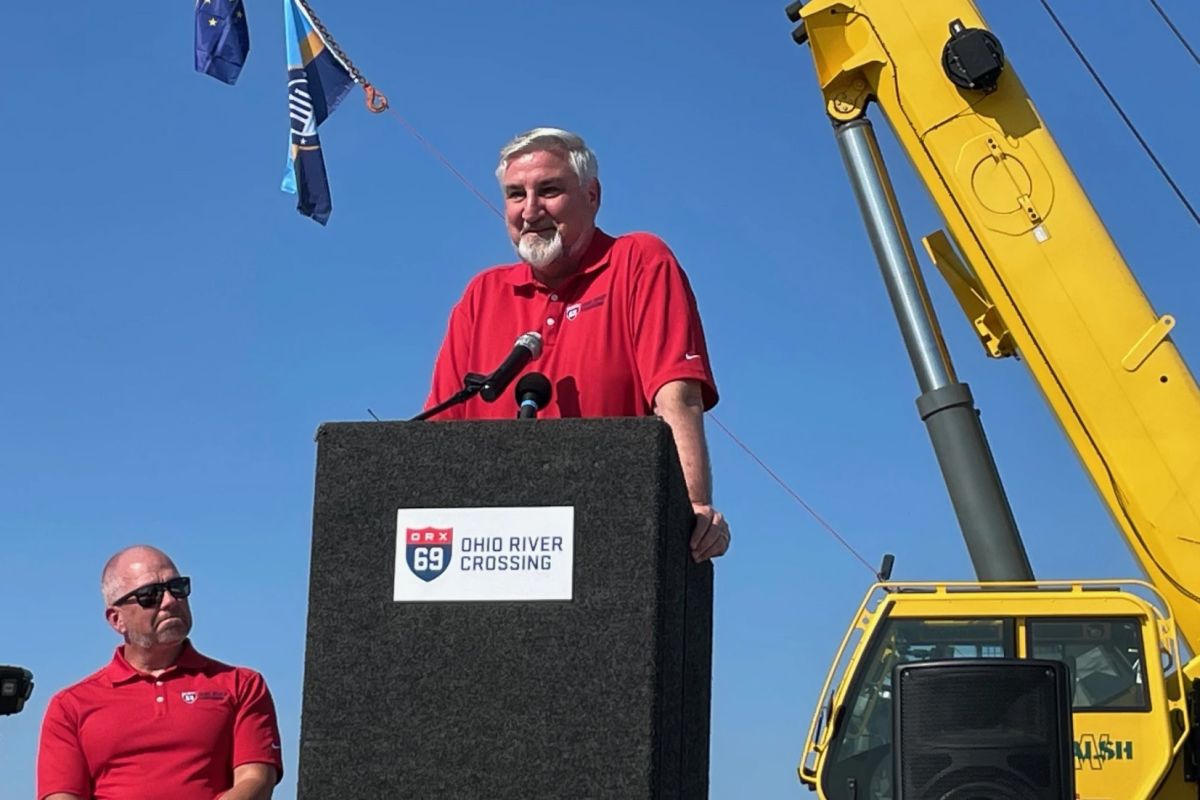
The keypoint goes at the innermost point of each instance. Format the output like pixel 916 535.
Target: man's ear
pixel 114 620
pixel 594 194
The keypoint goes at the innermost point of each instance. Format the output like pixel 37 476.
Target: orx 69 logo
pixel 428 551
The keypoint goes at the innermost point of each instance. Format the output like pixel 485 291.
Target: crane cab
pixel 1117 640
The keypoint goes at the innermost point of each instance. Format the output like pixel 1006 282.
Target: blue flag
pixel 317 82
pixel 222 38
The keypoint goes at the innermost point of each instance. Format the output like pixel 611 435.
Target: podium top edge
pixel 326 428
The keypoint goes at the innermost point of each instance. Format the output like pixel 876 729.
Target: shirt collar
pixel 121 671
pixel 594 259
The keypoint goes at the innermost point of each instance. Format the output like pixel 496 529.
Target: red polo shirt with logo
pixel 618 330
pixel 121 734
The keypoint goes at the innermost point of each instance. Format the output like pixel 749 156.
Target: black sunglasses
pixel 150 595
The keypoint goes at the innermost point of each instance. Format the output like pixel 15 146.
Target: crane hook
pixel 376 100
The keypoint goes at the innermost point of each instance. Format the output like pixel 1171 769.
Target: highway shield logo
pixel 428 551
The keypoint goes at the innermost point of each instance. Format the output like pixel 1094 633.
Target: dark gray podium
pixel 604 695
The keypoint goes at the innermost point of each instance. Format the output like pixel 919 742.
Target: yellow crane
pixel 1037 275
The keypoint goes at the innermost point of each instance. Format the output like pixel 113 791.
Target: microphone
pixel 527 347
pixel 533 394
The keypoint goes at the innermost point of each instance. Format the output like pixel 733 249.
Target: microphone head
pixel 531 341
pixel 535 385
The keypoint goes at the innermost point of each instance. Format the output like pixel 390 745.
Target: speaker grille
pixel 986 728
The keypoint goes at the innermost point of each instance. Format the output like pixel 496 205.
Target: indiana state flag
pixel 317 82
pixel 222 38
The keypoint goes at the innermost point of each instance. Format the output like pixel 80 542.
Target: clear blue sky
pixel 172 332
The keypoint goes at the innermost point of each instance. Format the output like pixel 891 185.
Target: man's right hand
pixel 711 536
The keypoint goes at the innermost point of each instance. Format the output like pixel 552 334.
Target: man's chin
pixel 172 632
pixel 540 248
pixel 540 255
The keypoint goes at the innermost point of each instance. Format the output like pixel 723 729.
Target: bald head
pixel 125 570
pixel 154 630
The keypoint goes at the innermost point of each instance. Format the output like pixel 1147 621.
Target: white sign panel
pixel 446 554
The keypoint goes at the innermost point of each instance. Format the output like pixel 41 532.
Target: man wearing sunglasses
pixel 160 721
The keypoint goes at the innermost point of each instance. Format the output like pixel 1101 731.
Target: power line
pixel 795 496
pixel 446 162
pixel 1175 31
pixel 1128 122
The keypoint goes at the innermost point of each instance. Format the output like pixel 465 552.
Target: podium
pixel 595 686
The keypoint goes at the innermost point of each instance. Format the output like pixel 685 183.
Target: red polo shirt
pixel 612 335
pixel 121 734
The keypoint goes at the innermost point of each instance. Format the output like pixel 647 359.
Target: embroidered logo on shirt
pixel 192 697
pixel 574 309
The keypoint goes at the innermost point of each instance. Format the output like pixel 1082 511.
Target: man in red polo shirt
pixel 621 335
pixel 160 721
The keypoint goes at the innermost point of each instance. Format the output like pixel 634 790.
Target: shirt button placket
pixel 554 308
pixel 160 699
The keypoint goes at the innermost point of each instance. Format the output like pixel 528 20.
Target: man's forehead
pixel 136 564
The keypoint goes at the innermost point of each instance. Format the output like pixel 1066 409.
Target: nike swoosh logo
pixel 691 356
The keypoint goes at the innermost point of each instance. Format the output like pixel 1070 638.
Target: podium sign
pixel 450 554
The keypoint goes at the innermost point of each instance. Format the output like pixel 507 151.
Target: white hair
pixel 580 156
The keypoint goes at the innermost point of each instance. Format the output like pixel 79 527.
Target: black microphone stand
pixel 472 383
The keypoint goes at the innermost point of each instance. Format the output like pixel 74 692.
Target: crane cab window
pixel 861 745
pixel 1105 658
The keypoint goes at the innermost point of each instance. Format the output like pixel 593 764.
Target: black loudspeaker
pixel 16 685
pixel 983 729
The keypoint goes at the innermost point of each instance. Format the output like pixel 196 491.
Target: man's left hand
pixel 711 536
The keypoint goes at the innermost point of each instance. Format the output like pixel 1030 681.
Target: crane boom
pixel 1043 277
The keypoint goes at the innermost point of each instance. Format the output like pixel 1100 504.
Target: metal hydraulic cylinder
pixel 968 468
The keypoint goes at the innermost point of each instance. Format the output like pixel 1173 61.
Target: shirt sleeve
pixel 451 364
pixel 61 766
pixel 668 339
pixel 255 728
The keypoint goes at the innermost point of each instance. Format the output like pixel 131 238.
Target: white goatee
pixel 538 252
